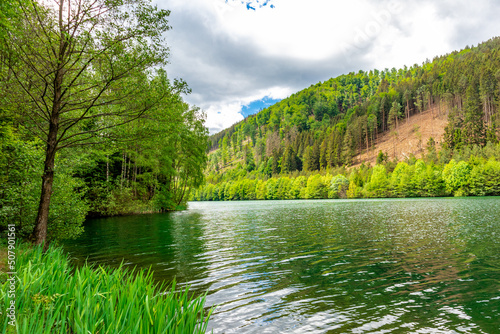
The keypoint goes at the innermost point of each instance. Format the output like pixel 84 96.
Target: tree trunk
pixel 134 183
pixel 39 235
pixel 367 143
pixel 383 120
pixel 394 145
pixel 124 163
pixel 407 111
pixel 107 170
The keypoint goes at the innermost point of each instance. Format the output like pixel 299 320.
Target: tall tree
pixel 289 160
pixel 473 120
pixel 323 155
pixel 394 115
pixel 407 97
pixel 382 112
pixel 82 67
pixel 183 157
pixel 249 159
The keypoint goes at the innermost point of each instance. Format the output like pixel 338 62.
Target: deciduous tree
pixel 81 67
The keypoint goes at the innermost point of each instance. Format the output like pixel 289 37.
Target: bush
pixel 485 179
pixel 338 187
pixel 401 180
pixel 456 177
pixel 379 183
pixel 316 188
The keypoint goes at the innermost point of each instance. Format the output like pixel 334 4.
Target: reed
pixel 54 297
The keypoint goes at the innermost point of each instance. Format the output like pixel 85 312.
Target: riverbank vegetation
pixel 105 300
pixel 90 123
pixel 476 176
pixel 305 141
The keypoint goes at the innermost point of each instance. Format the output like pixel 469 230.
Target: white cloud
pixel 291 29
pixel 231 56
pixel 223 115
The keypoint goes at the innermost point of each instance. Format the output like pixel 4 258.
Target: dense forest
pixel 317 134
pixel 90 124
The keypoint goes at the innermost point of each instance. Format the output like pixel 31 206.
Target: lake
pixel 325 266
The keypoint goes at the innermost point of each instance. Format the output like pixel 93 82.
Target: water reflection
pixel 366 266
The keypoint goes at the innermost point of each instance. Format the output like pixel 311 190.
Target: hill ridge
pixel 331 124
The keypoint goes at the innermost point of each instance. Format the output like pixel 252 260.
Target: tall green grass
pixel 53 297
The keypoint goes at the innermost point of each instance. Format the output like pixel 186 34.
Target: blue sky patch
pixel 256 106
pixel 252 5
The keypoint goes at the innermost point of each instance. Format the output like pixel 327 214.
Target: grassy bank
pixel 53 297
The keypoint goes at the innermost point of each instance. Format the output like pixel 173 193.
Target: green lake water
pixel 357 266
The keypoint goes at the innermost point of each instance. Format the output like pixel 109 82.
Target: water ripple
pixel 364 266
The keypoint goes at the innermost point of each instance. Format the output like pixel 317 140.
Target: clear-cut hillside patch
pixel 411 136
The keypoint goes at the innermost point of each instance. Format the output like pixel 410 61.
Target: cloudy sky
pixel 240 56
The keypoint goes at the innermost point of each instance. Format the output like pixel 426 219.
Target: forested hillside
pixel 325 128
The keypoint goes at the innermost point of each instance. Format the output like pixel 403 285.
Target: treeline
pixel 328 124
pixel 90 124
pixel 475 173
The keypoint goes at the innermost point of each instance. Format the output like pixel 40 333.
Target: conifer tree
pixel 473 121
